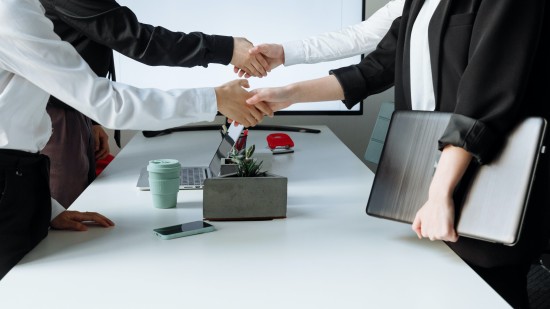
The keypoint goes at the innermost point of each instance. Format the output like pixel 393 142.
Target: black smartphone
pixel 185 229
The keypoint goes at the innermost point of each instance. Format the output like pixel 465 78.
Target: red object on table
pixel 279 140
pixel 100 165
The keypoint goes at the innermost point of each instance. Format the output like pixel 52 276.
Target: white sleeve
pixel 353 40
pixel 31 49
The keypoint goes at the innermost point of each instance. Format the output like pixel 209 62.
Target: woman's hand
pixel 436 219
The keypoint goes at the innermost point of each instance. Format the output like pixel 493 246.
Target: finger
pixel 241 73
pixel 74 226
pixel 263 63
pixel 255 50
pixel 102 151
pixel 93 217
pixel 258 66
pixel 102 220
pixel 96 142
pixel 256 113
pixel 416 227
pixel 100 155
pixel 244 83
pixel 251 121
pixel 105 144
pixel 255 99
pixel 246 75
pixel 453 237
pixel 250 69
pixel 247 123
pixel 235 69
pixel 424 233
pixel 245 70
pixel 264 49
pixel 264 108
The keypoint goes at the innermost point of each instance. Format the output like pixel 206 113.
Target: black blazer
pixel 485 55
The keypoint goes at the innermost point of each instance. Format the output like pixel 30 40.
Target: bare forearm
pixel 451 167
pixel 315 90
pixel 436 218
pixel 322 89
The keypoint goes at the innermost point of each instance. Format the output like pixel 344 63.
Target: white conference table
pixel 326 254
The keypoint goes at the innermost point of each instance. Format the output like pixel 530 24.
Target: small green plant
pixel 247 166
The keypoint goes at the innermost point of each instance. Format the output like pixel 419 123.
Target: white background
pixel 260 21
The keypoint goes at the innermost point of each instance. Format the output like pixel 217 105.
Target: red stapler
pixel 280 143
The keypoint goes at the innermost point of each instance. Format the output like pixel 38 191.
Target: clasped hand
pixel 246 62
pixel 435 220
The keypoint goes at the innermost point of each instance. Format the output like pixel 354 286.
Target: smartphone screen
pixel 185 227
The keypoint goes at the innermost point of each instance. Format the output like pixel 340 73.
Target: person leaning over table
pixel 480 60
pixel 353 40
pixel 35 62
pixel 96 28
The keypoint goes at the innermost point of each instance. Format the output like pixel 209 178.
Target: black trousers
pixel 505 268
pixel 25 205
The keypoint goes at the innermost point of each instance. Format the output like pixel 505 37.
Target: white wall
pixel 345 127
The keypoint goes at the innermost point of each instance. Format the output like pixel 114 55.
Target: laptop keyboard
pixel 192 176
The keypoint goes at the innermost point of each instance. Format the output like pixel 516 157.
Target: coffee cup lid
pixel 164 163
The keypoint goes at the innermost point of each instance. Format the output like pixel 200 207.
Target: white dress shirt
pixel 350 41
pixel 35 63
pixel 422 90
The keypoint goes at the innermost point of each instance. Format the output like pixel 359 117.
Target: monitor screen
pixel 267 21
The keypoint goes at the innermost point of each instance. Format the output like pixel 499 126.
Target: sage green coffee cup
pixel 164 182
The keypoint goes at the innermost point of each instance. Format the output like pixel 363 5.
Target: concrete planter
pixel 245 198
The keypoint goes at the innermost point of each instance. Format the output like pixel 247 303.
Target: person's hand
pixel 231 99
pixel 277 98
pixel 274 54
pixel 243 60
pixel 435 220
pixel 73 220
pixel 101 141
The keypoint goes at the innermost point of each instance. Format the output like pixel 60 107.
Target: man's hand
pixel 250 64
pixel 101 141
pixel 72 220
pixel 231 99
pixel 276 98
pixel 274 54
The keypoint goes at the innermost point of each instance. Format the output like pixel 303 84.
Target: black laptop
pixel 491 199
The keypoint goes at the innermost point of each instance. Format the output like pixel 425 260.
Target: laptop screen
pixel 226 144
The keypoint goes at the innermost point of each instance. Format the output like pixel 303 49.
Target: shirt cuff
pixel 56 209
pixel 472 135
pixel 294 53
pixel 207 104
pixel 351 80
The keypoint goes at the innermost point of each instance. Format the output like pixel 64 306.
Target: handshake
pixel 240 105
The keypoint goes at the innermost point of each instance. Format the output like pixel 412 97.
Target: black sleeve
pixel 115 26
pixel 374 74
pixel 505 38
